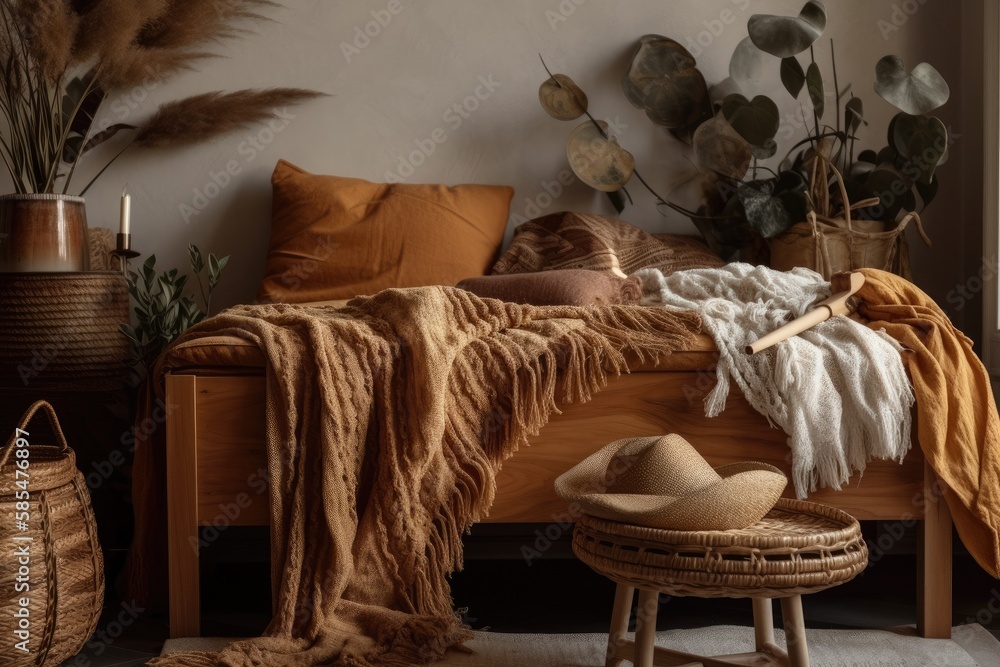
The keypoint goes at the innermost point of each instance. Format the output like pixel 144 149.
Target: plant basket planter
pixel 833 245
pixel 60 331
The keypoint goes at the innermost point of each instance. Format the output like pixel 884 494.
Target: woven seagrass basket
pixel 831 242
pixel 799 547
pixel 61 330
pixel 60 580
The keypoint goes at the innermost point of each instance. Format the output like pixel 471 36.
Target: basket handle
pixel 913 215
pixel 871 201
pixel 25 419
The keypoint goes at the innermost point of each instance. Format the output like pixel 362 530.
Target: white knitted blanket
pixel 839 389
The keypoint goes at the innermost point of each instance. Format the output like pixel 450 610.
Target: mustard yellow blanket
pixel 957 422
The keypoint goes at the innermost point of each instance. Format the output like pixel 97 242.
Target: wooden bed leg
pixel 934 571
pixel 182 507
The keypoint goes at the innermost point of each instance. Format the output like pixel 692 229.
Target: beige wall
pixel 389 95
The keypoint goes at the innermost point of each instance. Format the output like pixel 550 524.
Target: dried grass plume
pixel 61 59
pixel 201 117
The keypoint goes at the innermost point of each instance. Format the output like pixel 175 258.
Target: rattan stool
pixel 798 548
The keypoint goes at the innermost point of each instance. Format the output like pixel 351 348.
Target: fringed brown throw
pixel 387 421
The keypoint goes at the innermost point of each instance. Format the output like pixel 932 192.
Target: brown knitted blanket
pixel 387 421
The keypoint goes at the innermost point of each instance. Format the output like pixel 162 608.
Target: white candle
pixel 126 210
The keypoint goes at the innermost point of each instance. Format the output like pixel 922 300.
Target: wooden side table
pixel 798 548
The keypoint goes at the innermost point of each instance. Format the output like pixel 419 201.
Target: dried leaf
pixel 720 148
pixel 662 79
pixel 597 159
pixel 562 98
pixel 52 25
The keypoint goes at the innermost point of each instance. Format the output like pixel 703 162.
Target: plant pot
pixel 43 232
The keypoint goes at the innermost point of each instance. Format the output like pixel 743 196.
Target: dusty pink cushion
pixel 561 287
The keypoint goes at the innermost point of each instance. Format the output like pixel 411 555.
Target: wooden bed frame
pixel 216 464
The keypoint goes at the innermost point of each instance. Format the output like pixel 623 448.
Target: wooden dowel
pixel 824 310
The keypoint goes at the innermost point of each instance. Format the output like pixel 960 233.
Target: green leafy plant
pixel 61 60
pixel 163 311
pixel 744 201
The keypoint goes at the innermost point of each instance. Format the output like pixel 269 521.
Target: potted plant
pixel 62 60
pixel 750 206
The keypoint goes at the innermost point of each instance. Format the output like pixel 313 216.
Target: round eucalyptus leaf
pixel 720 148
pixel 918 91
pixel 679 101
pixel 755 120
pixel 751 68
pixel 655 57
pixel 662 79
pixel 922 141
pixel 786 36
pixel 562 98
pixel 597 159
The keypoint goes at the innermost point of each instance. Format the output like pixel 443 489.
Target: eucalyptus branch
pixel 635 172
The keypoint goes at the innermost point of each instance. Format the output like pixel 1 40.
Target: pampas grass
pixel 61 59
pixel 198 118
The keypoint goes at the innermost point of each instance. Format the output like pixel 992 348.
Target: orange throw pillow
pixel 336 238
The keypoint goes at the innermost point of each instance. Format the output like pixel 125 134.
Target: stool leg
pixel 619 624
pixel 795 631
pixel 763 623
pixel 645 628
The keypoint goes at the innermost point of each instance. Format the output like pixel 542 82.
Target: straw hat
pixel 662 482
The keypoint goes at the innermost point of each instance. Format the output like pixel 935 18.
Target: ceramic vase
pixel 43 232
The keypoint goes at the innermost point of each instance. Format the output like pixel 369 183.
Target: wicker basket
pixel 65 578
pixel 61 330
pixel 799 547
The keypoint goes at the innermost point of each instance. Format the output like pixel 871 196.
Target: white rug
pixel 970 646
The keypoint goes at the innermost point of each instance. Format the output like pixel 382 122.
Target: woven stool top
pixel 799 547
